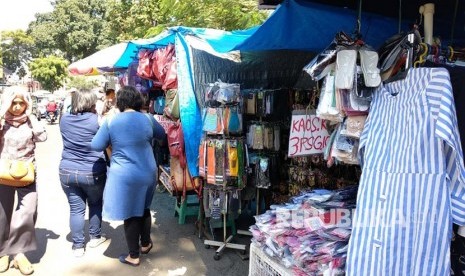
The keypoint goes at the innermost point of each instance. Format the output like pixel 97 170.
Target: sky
pixel 17 14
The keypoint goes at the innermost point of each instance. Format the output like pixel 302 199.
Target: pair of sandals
pixel 19 262
pixel 346 64
pixel 123 258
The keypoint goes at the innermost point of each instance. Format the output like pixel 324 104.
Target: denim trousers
pixel 81 188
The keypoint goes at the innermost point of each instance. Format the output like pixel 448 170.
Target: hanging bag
pixel 16 173
pixel 171 109
pixel 144 68
pixel 179 174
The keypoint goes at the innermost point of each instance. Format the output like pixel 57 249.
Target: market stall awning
pixel 219 40
pixel 99 62
pixel 307 26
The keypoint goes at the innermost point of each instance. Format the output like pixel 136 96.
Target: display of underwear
pixel 264 136
pixel 220 93
pixel 222 120
pixel 215 204
pixel 264 170
pixel 261 103
pixel 314 245
pixel 222 161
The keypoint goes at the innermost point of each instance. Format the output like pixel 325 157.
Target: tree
pixel 50 71
pixel 74 29
pixel 129 19
pixel 17 49
pixel 82 82
pixel 217 14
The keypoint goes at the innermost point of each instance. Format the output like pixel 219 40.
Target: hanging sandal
pixel 4 263
pixel 22 263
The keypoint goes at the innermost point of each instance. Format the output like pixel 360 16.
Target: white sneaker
pixel 79 252
pixel 96 242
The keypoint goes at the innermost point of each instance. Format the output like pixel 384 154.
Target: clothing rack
pixel 227 240
pixel 226 243
pixel 437 54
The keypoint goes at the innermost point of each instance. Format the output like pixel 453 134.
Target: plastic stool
pixel 187 207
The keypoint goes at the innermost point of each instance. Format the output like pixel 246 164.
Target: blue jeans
pixel 82 187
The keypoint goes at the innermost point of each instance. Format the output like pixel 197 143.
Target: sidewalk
pixel 177 248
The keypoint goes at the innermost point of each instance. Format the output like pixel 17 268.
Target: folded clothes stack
pixel 309 234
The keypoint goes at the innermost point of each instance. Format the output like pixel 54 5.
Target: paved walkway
pixel 177 248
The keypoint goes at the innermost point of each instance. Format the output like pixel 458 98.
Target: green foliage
pixel 147 18
pixel 16 49
pixel 131 19
pixel 82 82
pixel 50 71
pixel 40 31
pixel 217 14
pixel 74 29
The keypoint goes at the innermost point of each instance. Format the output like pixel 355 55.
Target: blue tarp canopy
pixel 272 54
pixel 294 25
pixel 303 25
pixel 220 41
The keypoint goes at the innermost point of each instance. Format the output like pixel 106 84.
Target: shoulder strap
pixel 150 120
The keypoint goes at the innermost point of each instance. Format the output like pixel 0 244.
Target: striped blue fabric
pixel 413 179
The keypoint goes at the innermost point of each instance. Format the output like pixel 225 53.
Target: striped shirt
pixel 412 183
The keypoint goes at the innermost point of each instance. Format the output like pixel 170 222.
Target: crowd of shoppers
pixel 118 190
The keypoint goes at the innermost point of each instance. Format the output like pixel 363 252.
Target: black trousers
pixel 137 229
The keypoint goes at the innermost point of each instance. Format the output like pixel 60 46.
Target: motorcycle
pixel 51 117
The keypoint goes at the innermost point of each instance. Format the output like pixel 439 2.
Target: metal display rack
pixel 226 243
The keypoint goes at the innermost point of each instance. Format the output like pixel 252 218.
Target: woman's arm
pixel 101 139
pixel 38 131
pixel 158 131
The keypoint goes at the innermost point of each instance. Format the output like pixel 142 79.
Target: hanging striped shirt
pixel 413 179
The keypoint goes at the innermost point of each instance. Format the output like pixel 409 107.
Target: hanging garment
pixel 277 138
pixel 211 162
pixel 233 164
pixel 219 160
pixel 412 183
pixel 202 158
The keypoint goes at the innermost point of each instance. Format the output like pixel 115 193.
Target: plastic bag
pixel 144 69
pixel 321 64
pixel 327 107
pixel 171 77
pixel 171 109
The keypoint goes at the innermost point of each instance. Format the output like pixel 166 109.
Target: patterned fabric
pixel 18 143
pixel 412 183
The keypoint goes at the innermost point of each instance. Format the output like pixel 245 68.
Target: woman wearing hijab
pixel 18 136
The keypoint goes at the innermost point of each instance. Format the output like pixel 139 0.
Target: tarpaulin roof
pixel 449 19
pixel 295 25
pixel 303 25
pixel 220 41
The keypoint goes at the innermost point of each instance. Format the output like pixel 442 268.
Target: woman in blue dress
pixel 133 170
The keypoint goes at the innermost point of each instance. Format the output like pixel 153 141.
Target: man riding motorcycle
pixel 52 106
